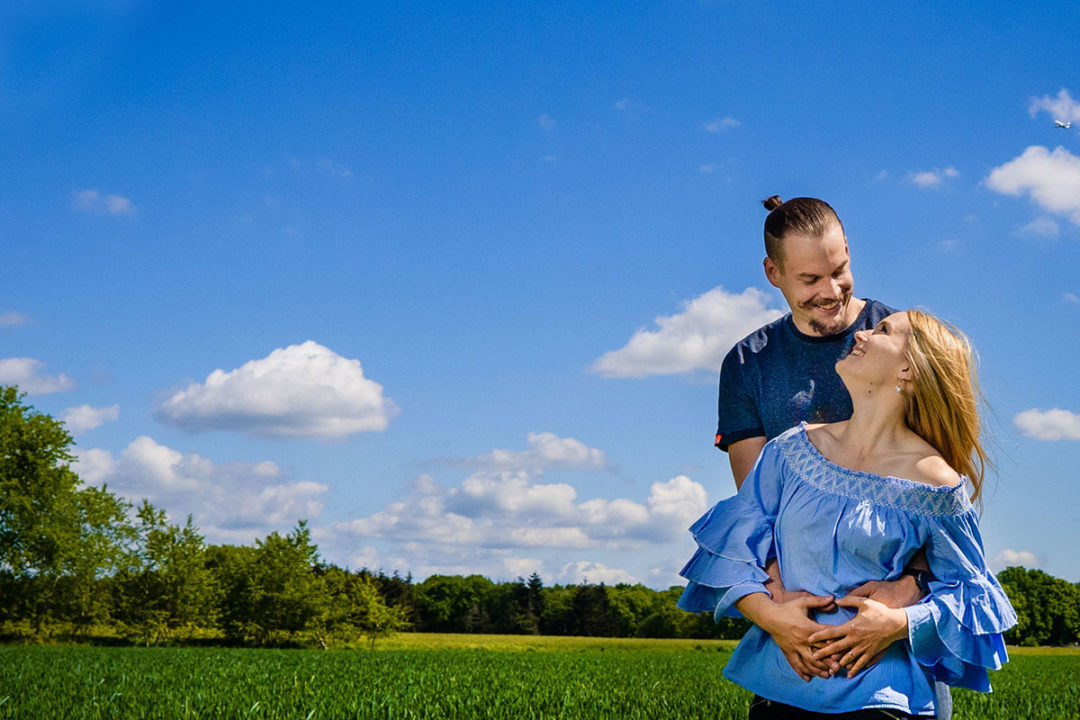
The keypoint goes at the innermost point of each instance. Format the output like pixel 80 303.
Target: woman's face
pixel 879 356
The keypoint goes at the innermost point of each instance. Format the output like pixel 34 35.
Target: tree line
pixel 78 560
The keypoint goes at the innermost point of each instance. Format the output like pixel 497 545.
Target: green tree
pixel 232 567
pixel 167 585
pixel 1047 608
pixel 58 538
pixel 353 606
pixel 285 592
pixel 451 603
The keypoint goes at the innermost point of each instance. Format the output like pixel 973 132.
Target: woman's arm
pixel 790 626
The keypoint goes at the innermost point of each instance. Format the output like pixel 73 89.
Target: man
pixel 784 373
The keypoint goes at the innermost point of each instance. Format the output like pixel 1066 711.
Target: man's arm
pixel 897 593
pixel 742 454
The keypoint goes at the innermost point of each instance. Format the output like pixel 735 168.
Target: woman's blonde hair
pixel 945 392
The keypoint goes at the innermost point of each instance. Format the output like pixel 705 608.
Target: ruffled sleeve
pixel 735 540
pixel 956 631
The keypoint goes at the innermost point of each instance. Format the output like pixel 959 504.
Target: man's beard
pixel 831 328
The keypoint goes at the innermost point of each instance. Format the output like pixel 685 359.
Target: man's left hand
pixel 891 593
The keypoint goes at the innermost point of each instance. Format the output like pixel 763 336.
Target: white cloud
pixel 24 372
pixel 96 203
pixel 83 417
pixel 576 573
pixel 1012 558
pixel 507 508
pixel 546 121
pixel 13 319
pixel 94 466
pixel 933 178
pixel 547 450
pixel 695 339
pixel 1071 297
pixel 623 104
pixel 1041 226
pixel 507 522
pixel 230 502
pixel 522 567
pixel 1052 179
pixel 1062 107
pixel 299 391
pixel 708 168
pixel 882 175
pixel 1049 425
pixel 718 125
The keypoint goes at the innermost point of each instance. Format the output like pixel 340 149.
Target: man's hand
pixel 891 593
pixel 790 626
pixel 862 640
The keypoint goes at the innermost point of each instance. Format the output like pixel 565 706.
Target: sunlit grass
pixel 448 676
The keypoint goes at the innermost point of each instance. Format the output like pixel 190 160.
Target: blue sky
pixel 452 281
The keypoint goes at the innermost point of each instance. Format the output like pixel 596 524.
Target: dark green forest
pixel 79 563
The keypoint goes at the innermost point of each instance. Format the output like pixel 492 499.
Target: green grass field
pixel 446 676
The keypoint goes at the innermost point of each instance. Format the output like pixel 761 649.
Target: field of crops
pixel 445 677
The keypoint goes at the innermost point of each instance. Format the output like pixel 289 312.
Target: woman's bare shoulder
pixel 932 469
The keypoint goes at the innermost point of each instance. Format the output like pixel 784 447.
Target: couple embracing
pixel 853 544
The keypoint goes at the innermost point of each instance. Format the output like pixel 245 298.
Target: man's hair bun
pixel 772 203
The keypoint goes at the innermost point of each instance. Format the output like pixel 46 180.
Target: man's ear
pixel 772 272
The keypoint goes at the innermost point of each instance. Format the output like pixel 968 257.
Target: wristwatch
pixel 922 578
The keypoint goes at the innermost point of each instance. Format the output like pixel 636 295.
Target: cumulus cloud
pixel 695 339
pixel 933 178
pixel 1051 179
pixel 1049 425
pixel 546 450
pixel 508 520
pixel 1061 107
pixel 83 417
pixel 25 372
pixel 720 124
pixel 97 203
pixel 1012 558
pixel 301 391
pixel 511 508
pixel 13 319
pixel 583 571
pixel 230 502
pixel 1041 226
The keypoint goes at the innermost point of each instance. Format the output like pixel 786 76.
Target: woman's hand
pixel 862 640
pixel 790 626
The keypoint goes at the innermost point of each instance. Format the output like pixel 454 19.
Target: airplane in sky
pixel 1062 125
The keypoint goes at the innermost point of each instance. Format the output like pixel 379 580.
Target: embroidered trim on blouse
pixel 908 495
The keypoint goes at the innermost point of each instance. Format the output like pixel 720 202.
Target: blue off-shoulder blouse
pixel 832 529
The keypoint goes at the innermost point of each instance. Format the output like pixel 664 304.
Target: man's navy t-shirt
pixel 777 377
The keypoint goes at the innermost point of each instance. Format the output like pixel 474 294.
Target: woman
pixel 843 503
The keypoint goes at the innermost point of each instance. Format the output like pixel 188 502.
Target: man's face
pixel 815 278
